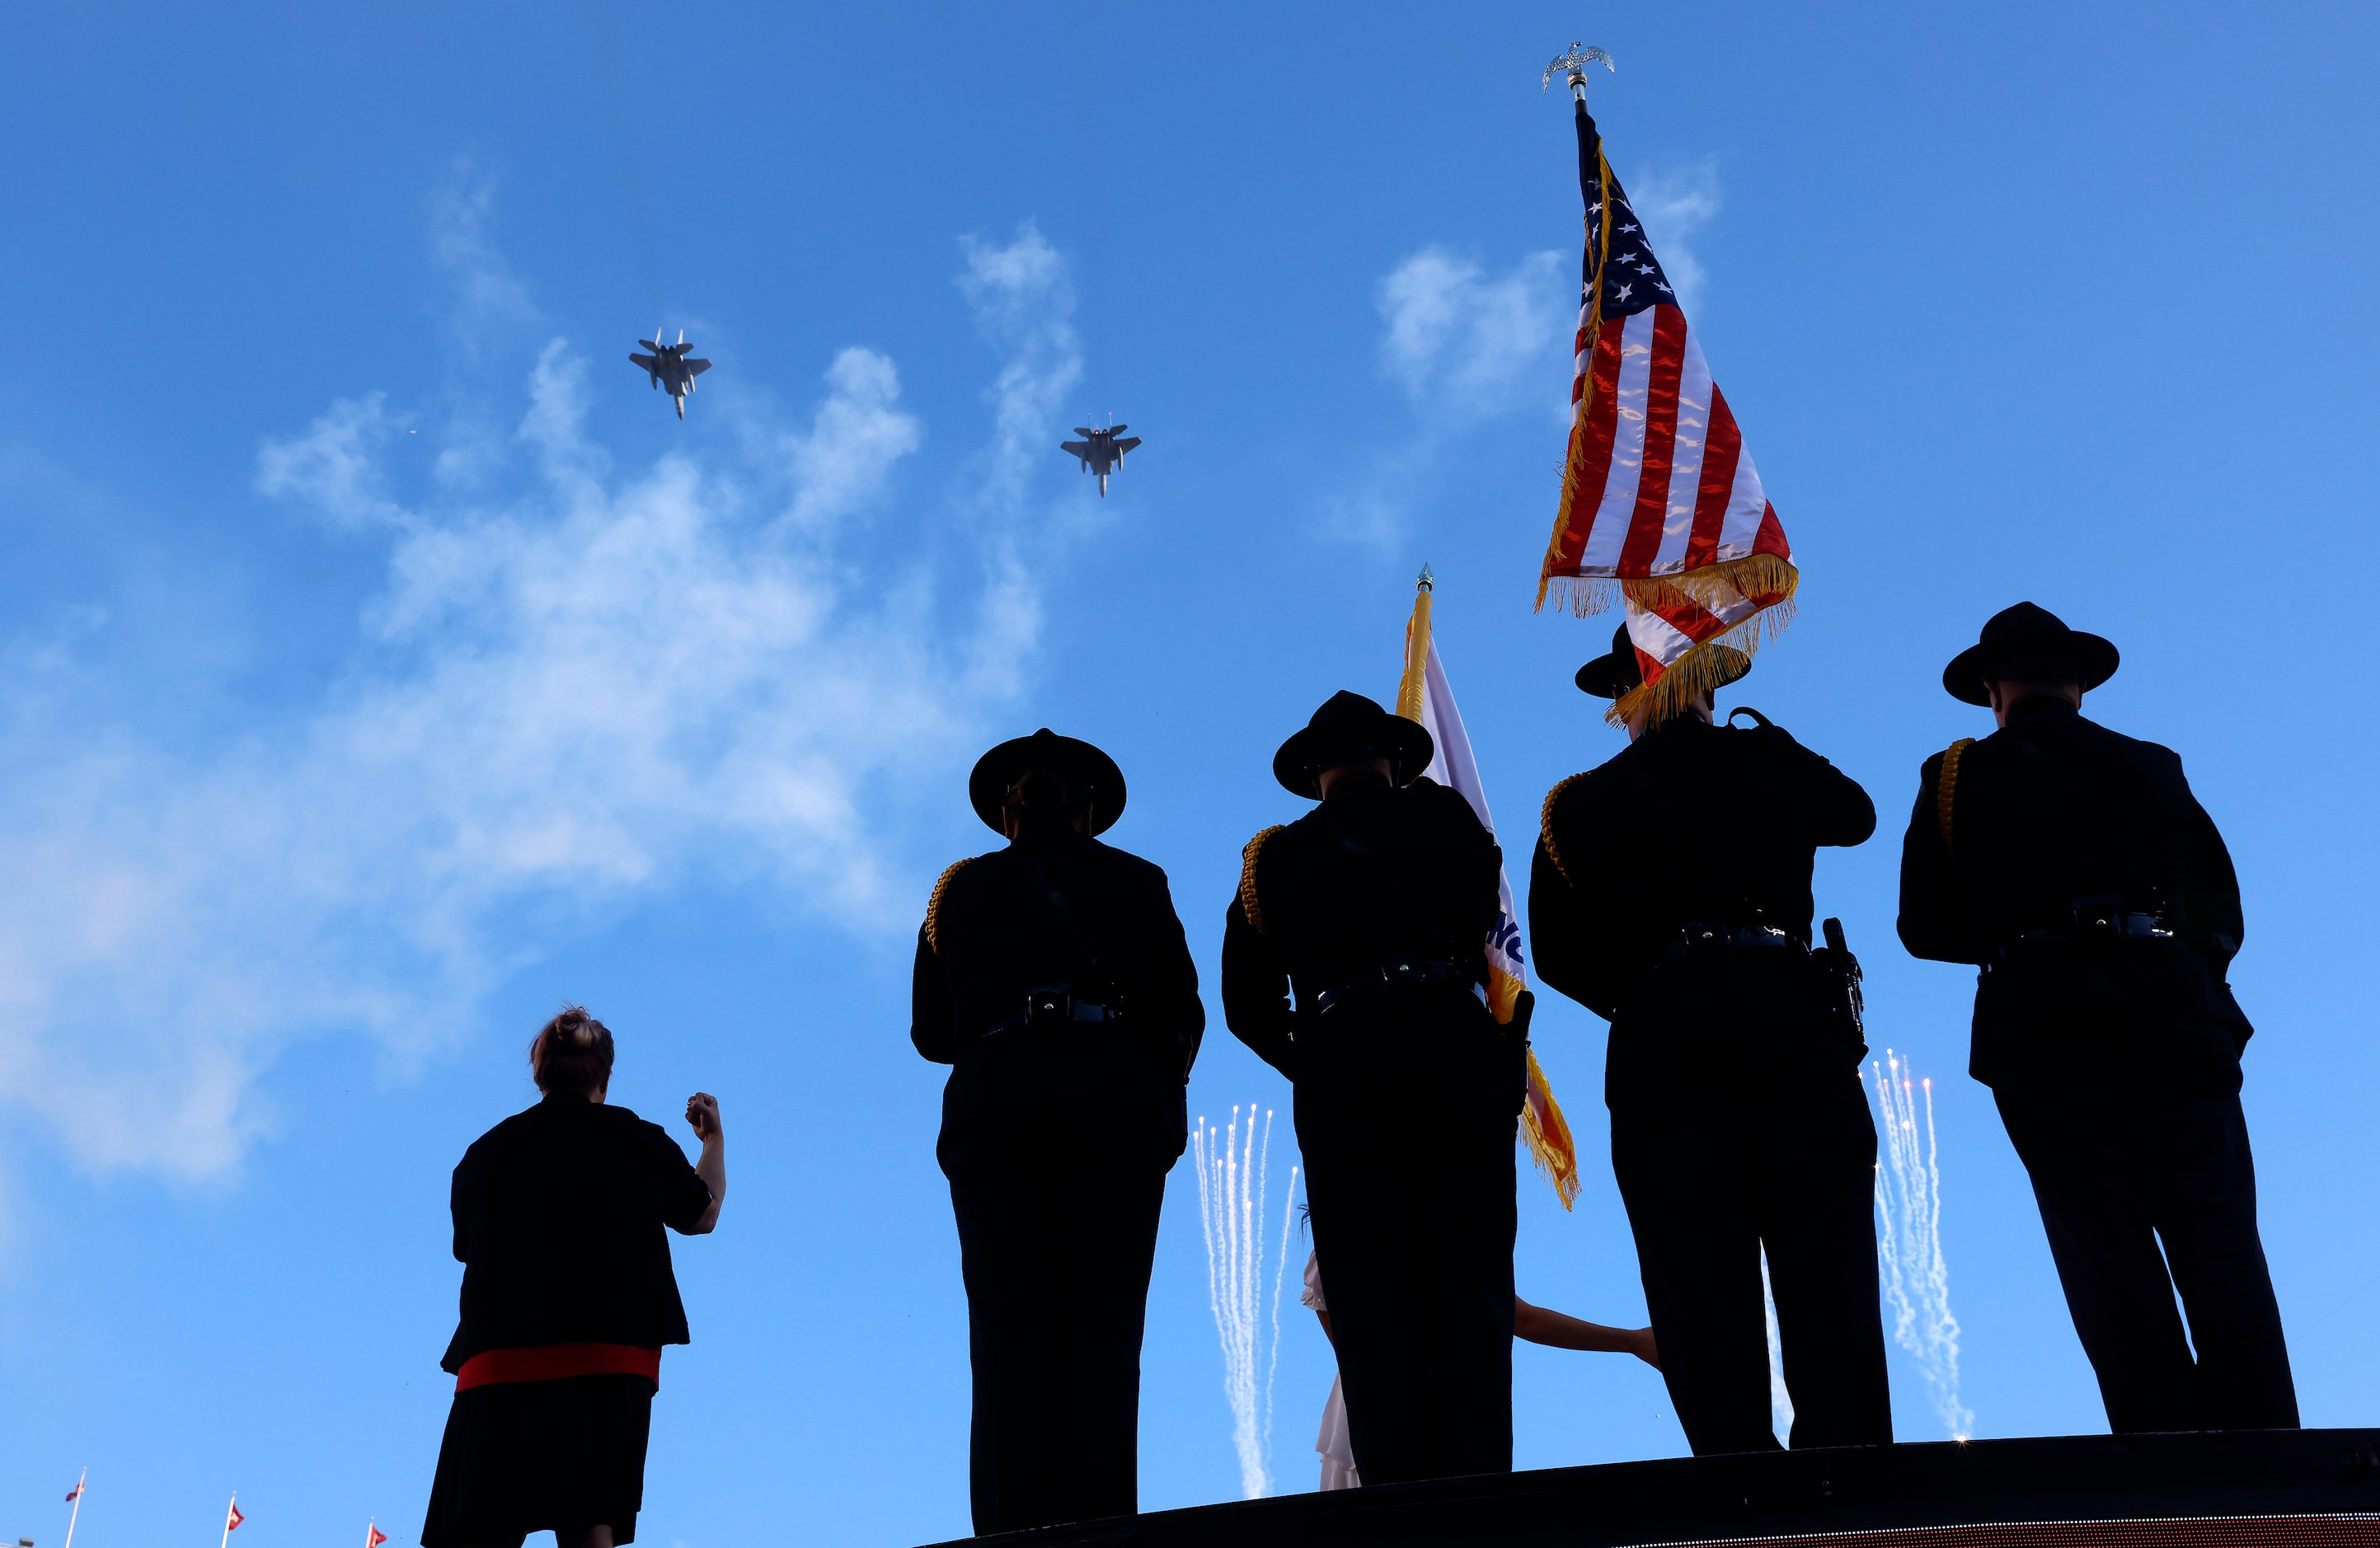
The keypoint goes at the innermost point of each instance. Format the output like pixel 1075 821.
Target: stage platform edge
pixel 2243 1489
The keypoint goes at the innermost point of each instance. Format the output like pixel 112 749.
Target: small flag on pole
pixel 75 1494
pixel 232 1519
pixel 373 1536
pixel 1423 696
pixel 1660 502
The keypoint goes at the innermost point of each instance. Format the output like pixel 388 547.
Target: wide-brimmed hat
pixel 2030 643
pixel 1350 726
pixel 1608 676
pixel 1094 775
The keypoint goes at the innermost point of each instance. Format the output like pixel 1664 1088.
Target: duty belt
pixel 1701 937
pixel 1054 1005
pixel 2098 917
pixel 1391 973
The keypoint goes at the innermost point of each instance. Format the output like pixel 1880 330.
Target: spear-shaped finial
pixel 1574 65
pixel 1428 582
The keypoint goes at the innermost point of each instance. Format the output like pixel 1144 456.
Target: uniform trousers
pixel 1405 1114
pixel 2114 1179
pixel 1057 1232
pixel 1726 1143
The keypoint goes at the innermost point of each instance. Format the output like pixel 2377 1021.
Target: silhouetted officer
pixel 2074 868
pixel 1053 976
pixel 1373 908
pixel 1670 894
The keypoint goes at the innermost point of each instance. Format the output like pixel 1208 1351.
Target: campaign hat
pixel 1608 676
pixel 1093 774
pixel 1350 726
pixel 2030 643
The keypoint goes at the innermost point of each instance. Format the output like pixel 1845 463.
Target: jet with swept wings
pixel 667 366
pixel 1101 451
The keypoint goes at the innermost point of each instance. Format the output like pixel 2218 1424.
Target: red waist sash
pixel 549 1362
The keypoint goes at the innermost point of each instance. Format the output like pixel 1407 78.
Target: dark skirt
pixel 527 1457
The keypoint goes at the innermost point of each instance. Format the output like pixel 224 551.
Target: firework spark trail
pixel 1916 1280
pixel 1233 1184
pixel 1280 1269
pixel 1780 1402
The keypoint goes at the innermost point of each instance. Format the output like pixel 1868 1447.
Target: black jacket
pixel 1371 872
pixel 1690 821
pixel 992 932
pixel 558 1222
pixel 2051 808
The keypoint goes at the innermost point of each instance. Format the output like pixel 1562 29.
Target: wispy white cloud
pixel 572 685
pixel 1675 204
pixel 858 432
pixel 1024 300
pixel 486 295
pixel 335 466
pixel 1466 344
pixel 1460 341
pixel 489 314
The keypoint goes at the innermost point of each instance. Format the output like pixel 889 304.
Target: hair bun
pixel 572 1053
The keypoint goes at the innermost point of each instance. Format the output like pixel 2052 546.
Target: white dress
pixel 1338 1452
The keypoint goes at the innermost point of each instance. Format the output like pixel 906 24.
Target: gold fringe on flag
pixel 1590 327
pixel 1755 574
pixel 1411 684
pixel 1548 1137
pixel 1706 667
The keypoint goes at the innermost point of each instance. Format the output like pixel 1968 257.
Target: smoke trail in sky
pixel 1780 1402
pixel 1233 1166
pixel 1280 1267
pixel 1909 1239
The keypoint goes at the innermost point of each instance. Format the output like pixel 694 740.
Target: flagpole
pixel 227 1512
pixel 75 1515
pixel 370 1527
pixel 1410 689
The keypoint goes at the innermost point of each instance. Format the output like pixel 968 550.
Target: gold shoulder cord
pixel 1546 824
pixel 934 905
pixel 1249 878
pixel 1946 793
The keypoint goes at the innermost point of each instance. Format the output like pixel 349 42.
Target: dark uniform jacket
pixel 2047 814
pixel 993 932
pixel 559 1217
pixel 1689 822
pixel 1372 877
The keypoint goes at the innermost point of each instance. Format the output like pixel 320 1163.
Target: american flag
pixel 1660 500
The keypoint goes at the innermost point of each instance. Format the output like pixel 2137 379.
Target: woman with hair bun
pixel 567 1299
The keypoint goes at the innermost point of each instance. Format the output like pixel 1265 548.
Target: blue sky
pixel 382 663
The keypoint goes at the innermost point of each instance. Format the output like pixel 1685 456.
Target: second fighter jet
pixel 667 366
pixel 1102 453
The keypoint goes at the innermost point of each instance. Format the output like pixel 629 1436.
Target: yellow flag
pixel 1423 696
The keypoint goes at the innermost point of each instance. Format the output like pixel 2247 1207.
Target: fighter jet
pixel 1102 453
pixel 668 364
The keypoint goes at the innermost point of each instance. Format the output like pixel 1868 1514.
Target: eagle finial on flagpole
pixel 1574 65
